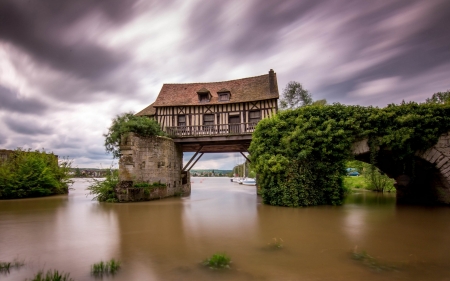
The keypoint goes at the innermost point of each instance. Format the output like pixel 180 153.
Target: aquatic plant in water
pixel 217 261
pixel 277 243
pixel 371 262
pixel 109 267
pixel 51 275
pixel 6 266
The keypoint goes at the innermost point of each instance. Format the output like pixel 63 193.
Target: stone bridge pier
pixel 430 183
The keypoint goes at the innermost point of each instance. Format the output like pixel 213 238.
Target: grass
pixel 109 267
pixel 51 275
pixel 371 262
pixel 355 183
pixel 218 261
pixel 6 266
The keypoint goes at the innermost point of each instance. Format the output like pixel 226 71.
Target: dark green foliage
pixel 103 190
pixel 109 267
pixel 300 154
pixel 218 261
pixel 127 123
pixel 27 173
pixel 52 275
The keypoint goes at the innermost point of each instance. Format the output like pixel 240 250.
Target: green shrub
pixel 127 123
pixel 27 173
pixel 103 190
pixel 51 275
pixel 217 261
pixel 109 267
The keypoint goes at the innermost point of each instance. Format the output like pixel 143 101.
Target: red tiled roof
pixel 242 90
pixel 148 111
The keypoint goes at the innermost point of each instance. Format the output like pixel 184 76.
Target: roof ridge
pixel 215 81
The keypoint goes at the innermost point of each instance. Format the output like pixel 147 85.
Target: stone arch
pixel 431 184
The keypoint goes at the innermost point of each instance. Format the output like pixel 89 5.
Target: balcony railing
pixel 211 130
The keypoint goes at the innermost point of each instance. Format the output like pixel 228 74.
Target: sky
pixel 67 68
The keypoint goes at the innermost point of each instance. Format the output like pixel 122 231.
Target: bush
pixel 104 190
pixel 27 173
pixel 127 123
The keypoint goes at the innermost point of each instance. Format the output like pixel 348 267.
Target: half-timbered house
pixel 215 116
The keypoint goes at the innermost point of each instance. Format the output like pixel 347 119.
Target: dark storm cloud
pixel 10 101
pixel 27 127
pixel 426 49
pixel 257 33
pixel 38 26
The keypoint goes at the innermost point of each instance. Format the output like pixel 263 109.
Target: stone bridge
pixel 430 183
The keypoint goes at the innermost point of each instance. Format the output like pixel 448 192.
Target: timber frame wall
pixel 168 116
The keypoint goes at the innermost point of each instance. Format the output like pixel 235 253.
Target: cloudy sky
pixel 68 67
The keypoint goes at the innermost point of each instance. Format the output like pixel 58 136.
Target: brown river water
pixel 168 239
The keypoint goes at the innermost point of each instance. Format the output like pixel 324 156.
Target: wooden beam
pixel 195 162
pixel 201 146
pixel 245 157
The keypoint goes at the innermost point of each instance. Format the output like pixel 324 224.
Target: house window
pixel 203 97
pixel 254 116
pixel 181 120
pixel 224 96
pixel 208 119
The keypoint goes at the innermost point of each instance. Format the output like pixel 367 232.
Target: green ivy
pixel 300 154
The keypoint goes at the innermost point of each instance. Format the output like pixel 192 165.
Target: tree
pixel 294 95
pixel 127 123
pixel 440 97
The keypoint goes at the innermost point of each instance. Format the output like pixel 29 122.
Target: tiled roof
pixel 242 90
pixel 148 111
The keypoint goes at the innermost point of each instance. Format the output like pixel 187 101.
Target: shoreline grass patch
pixel 218 261
pixel 103 190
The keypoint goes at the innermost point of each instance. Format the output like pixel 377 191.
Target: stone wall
pixel 151 160
pixel 432 173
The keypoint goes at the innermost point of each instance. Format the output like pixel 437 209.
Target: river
pixel 168 239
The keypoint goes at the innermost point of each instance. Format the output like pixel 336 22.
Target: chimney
pixel 273 87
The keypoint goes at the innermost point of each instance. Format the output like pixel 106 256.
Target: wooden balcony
pixel 213 138
pixel 211 130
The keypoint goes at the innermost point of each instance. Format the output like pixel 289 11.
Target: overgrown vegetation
pixel 127 123
pixel 218 261
pixel 51 275
pixel 109 267
pixel 300 154
pixel 103 190
pixel 27 173
pixel 147 187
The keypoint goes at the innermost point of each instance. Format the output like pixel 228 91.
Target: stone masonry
pixel 151 160
pixel 437 156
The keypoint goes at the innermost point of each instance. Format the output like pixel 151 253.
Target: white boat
pixel 249 181
pixel 236 180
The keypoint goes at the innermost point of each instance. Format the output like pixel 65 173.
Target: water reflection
pixel 167 239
